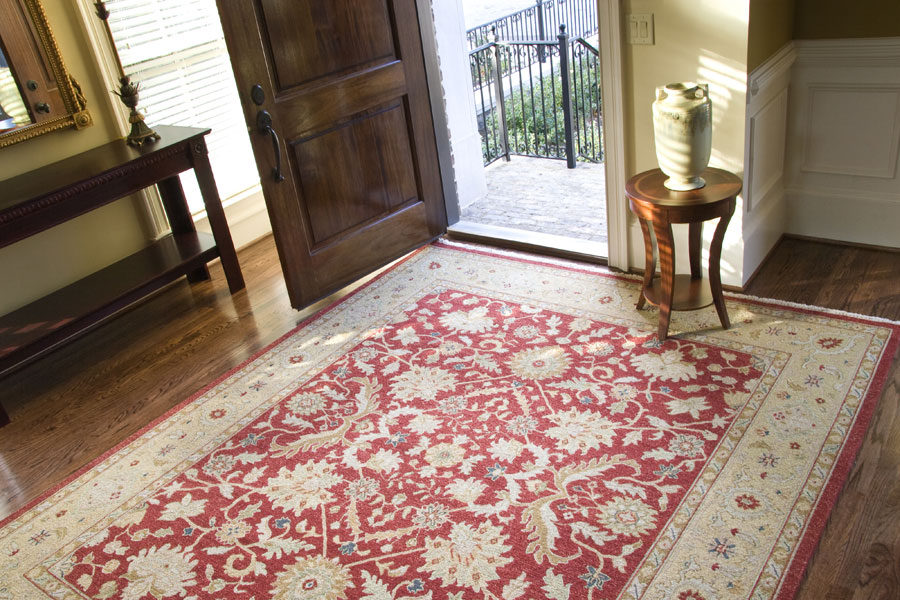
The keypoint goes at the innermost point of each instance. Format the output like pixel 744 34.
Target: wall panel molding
pixel 842 167
pixel 764 198
pixel 771 75
pixel 766 141
pixel 852 129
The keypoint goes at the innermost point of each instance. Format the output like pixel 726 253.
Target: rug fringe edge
pixel 607 271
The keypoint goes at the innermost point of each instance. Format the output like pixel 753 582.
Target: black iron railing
pixel 538 98
pixel 539 22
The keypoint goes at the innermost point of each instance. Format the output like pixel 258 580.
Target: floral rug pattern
pixel 471 426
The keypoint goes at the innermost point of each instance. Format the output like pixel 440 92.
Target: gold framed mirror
pixel 37 93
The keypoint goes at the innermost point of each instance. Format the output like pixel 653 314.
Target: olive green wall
pixel 771 27
pixel 827 19
pixel 41 264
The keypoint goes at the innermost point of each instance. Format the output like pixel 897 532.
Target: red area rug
pixel 471 425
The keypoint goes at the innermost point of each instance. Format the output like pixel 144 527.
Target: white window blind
pixel 176 50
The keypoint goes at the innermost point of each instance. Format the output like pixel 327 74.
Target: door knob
pixel 264 125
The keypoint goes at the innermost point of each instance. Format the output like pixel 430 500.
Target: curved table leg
pixel 695 242
pixel 649 263
pixel 715 255
pixel 666 247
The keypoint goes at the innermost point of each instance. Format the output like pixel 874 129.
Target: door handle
pixel 264 125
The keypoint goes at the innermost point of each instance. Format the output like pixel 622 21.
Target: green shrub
pixel 535 118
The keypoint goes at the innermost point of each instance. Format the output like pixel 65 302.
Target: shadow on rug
pixel 471 425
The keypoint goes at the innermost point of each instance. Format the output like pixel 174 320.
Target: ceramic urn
pixel 682 128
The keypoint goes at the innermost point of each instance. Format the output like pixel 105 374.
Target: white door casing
pixel 451 129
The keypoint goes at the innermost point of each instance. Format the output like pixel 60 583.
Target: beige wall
pixel 701 40
pixel 771 27
pixel 46 262
pixel 827 19
pixel 696 40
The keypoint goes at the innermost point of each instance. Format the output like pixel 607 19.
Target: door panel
pixel 389 237
pixel 348 34
pixel 322 107
pixel 345 91
pixel 377 173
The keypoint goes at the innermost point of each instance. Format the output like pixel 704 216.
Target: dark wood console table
pixel 38 200
pixel 659 207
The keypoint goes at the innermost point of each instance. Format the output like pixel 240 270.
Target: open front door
pixel 335 96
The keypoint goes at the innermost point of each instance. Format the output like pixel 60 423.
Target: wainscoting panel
pixel 767 140
pixel 843 142
pixel 842 120
pixel 764 199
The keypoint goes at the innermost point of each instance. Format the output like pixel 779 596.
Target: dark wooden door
pixel 342 85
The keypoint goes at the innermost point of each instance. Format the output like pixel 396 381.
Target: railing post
pixel 501 101
pixel 542 35
pixel 567 96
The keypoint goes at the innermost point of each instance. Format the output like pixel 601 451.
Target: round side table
pixel 659 207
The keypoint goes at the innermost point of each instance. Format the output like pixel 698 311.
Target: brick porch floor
pixel 543 196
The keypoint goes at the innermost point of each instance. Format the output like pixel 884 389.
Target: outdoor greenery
pixel 535 118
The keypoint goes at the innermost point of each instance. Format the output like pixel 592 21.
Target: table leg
pixel 715 255
pixel 649 263
pixel 666 248
pixel 695 241
pixel 216 215
pixel 179 216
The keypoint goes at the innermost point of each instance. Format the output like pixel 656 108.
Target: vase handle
pixel 661 93
pixel 702 91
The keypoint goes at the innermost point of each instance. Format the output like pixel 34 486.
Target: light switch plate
pixel 640 29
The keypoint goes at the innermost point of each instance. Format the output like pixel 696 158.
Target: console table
pixel 658 207
pixel 38 200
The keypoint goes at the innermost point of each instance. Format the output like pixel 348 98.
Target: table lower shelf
pixel 41 326
pixel 689 294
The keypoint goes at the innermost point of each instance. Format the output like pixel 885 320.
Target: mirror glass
pixel 13 112
pixel 37 93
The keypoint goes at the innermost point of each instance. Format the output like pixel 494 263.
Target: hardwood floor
pixel 96 392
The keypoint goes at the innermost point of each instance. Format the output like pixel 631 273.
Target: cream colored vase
pixel 682 127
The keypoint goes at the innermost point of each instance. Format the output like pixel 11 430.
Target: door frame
pixel 609 14
pixel 438 107
pixel 609 17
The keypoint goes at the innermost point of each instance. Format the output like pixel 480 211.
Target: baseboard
pixel 737 289
pixel 763 229
pixel 806 238
pixel 247 218
pixel 844 216
pixel 763 262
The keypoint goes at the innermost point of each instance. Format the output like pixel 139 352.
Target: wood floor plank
pixel 85 398
pixel 71 407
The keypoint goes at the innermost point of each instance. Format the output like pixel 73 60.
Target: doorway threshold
pixel 539 243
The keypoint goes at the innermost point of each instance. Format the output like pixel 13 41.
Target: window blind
pixel 176 50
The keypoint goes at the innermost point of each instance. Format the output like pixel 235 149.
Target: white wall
pixel 843 180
